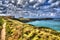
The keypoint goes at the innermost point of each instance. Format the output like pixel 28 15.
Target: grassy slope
pixel 16 30
pixel 1 22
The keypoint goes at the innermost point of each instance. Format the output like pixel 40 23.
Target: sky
pixel 39 3
pixel 36 8
pixel 47 8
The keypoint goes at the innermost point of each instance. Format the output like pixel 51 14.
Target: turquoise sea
pixel 55 25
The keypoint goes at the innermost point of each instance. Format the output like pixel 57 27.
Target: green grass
pixel 15 29
pixel 1 22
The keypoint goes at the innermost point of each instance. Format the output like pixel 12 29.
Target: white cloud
pixel 51 1
pixel 41 1
pixel 37 4
pixel 19 1
pixel 31 0
pixel 57 4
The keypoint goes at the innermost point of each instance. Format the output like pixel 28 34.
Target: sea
pixel 53 24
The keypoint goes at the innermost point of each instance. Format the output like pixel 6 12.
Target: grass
pixel 15 29
pixel 31 32
pixel 1 22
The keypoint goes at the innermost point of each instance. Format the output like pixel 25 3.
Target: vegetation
pixel 16 30
pixel 1 22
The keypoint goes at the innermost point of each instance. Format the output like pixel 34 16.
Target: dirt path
pixel 3 33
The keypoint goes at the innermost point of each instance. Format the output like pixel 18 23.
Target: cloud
pixel 52 1
pixel 42 1
pixel 41 7
pixel 56 4
pixel 37 7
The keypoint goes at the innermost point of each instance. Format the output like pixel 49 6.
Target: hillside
pixel 16 30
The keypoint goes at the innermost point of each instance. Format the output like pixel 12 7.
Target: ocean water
pixel 55 25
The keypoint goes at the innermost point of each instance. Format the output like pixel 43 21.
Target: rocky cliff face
pixel 16 30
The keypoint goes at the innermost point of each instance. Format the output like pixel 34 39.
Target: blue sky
pixel 37 8
pixel 47 8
